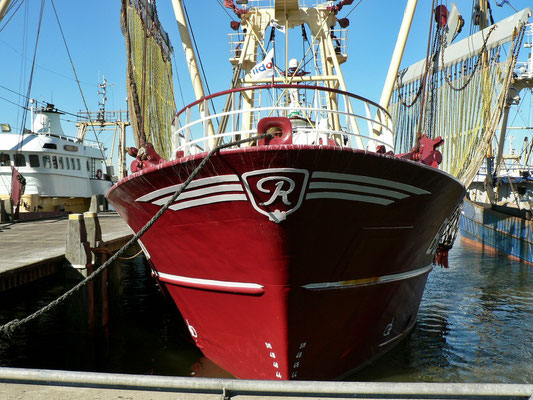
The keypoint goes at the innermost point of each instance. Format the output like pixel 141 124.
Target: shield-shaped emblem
pixel 276 192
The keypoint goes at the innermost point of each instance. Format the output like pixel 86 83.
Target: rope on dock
pixel 10 327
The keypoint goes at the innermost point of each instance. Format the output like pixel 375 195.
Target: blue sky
pixel 93 34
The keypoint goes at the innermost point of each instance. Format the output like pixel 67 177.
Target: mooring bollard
pixel 94 231
pixel 6 210
pixel 3 213
pixel 77 250
pixel 98 203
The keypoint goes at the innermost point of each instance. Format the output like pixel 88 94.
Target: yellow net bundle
pixel 150 88
pixel 463 104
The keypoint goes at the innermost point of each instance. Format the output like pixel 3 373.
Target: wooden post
pixel 77 250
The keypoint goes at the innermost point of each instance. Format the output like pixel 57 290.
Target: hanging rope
pixel 10 327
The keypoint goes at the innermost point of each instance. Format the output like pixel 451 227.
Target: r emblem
pixel 276 192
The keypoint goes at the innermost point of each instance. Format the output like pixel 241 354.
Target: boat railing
pixel 339 38
pixel 524 69
pixel 103 116
pixel 87 142
pixel 318 115
pixel 270 3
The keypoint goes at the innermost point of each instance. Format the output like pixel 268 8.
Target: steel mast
pixel 192 63
pixel 4 4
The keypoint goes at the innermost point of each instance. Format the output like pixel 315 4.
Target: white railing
pixel 318 115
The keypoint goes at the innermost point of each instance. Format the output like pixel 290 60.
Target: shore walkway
pixel 33 249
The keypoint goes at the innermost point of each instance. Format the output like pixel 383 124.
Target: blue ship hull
pixel 499 231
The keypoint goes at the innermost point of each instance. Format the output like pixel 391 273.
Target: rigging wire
pixel 199 57
pixel 22 69
pixel 41 66
pixel 354 7
pixel 179 81
pixel 12 15
pixel 76 76
pixel 43 103
pixel 12 102
pixel 225 10
pixel 25 112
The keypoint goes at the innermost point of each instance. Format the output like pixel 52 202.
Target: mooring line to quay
pixel 11 326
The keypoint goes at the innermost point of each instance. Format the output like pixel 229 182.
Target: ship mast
pixel 326 49
pixel 394 66
pixel 106 121
pixel 4 4
pixel 192 63
pixel 397 55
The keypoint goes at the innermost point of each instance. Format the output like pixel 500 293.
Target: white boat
pixel 61 172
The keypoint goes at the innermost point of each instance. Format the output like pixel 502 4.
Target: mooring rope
pixel 9 328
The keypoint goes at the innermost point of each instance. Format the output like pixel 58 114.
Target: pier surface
pixel 32 249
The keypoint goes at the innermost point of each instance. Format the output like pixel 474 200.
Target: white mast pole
pixel 192 63
pixel 3 8
pixel 397 55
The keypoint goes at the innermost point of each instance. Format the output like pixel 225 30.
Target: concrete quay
pixel 35 249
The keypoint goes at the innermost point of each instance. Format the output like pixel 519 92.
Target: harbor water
pixel 475 324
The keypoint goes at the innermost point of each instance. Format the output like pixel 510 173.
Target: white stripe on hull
pixel 201 192
pixel 369 180
pixel 193 184
pixel 324 185
pixel 207 283
pixel 348 196
pixel 368 281
pixel 230 285
pixel 208 200
pixel 357 188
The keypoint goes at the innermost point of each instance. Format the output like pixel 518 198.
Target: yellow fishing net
pixel 464 104
pixel 150 88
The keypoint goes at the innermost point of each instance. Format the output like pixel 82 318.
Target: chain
pixel 443 71
pixel 418 92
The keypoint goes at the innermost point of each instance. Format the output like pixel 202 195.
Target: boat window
pixel 46 162
pixel 5 160
pixel 49 146
pixel 73 163
pixel 34 160
pixel 69 147
pixel 20 160
pixel 61 163
pixel 67 160
pixel 88 166
pixel 54 162
pixel 78 163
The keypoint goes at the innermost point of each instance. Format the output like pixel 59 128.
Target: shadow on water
pixel 474 325
pixel 144 333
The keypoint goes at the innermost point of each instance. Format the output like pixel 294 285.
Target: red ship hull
pixel 292 262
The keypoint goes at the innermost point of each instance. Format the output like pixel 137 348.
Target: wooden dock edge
pixel 37 270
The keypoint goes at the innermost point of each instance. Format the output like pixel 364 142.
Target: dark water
pixel 475 325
